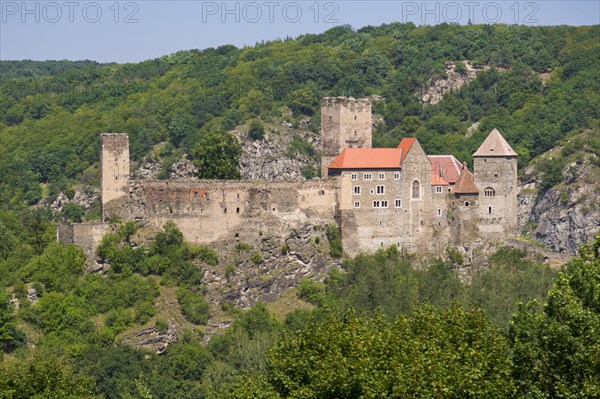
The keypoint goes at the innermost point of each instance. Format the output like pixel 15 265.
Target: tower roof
pixel 495 146
pixel 465 183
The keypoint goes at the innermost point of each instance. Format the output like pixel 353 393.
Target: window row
pixel 381 204
pixel 369 176
pixel 379 189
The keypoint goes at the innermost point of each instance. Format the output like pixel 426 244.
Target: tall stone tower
pixel 345 123
pixel 114 167
pixel 495 167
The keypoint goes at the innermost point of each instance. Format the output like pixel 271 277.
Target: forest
pixel 378 326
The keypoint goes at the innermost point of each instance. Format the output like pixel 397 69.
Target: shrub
pixel 257 258
pixel 335 242
pixel 257 130
pixel 193 305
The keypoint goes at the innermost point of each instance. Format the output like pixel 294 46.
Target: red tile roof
pixel 446 167
pixel 373 158
pixel 368 158
pixel 465 183
pixel 436 180
pixel 405 145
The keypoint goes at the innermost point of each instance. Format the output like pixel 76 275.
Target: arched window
pixel 416 189
pixel 489 192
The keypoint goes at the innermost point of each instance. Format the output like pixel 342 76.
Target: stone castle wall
pixel 208 211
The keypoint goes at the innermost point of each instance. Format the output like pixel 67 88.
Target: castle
pixel 376 196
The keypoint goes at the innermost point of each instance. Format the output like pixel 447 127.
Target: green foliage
pixel 256 258
pixel 57 268
pixel 256 130
pixel 556 351
pixel 11 337
pixel 217 156
pixel 193 305
pixel 335 241
pixel 73 213
pixel 419 356
pixel 552 173
pixel 44 375
pixel 299 146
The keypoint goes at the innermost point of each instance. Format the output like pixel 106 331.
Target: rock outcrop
pixel 454 80
pixel 567 215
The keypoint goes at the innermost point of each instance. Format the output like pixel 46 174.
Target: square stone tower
pixel 114 170
pixel 345 123
pixel 495 167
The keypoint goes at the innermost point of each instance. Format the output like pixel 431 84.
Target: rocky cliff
pixel 566 215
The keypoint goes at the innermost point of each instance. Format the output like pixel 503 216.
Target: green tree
pixel 10 336
pixel 217 156
pixel 556 352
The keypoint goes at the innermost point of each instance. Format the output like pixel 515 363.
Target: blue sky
pixel 131 31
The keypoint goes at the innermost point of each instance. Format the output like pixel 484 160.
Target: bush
pixel 257 258
pixel 257 130
pixel 335 242
pixel 193 305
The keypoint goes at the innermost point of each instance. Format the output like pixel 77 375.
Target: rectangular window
pixel 356 190
pixel 354 176
pixel 367 176
pixel 439 212
pixel 356 204
pixel 396 175
pixel 382 176
pixel 398 203
pixel 376 204
pixel 380 189
pixel 384 204
pixel 438 189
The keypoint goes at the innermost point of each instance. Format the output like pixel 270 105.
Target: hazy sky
pixel 131 31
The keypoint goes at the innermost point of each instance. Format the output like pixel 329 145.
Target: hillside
pixel 271 314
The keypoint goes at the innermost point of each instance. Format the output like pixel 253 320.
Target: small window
pixel 376 204
pixel 384 204
pixel 357 204
pixel 354 117
pixel 489 192
pixel 380 223
pixel 489 210
pixel 438 189
pixel 356 190
pixel 466 203
pixel 398 203
pixel 367 176
pixel 196 195
pixel 380 189
pixel 237 210
pixel 416 190
pixel 382 176
pixel 439 212
pixel 224 210
pixel 396 175
pixel 354 176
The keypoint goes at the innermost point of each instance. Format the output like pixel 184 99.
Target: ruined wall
pixel 207 211
pixel 114 169
pixel 496 178
pixel 345 123
pixel 87 236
